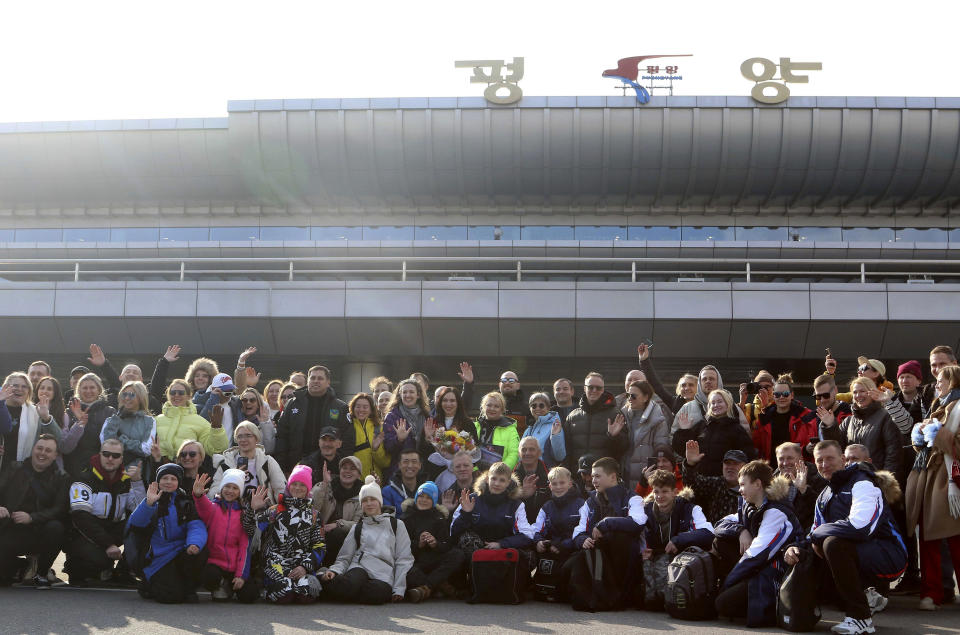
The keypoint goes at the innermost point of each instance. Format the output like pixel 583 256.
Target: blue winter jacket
pixel 169 537
pixel 498 518
pixel 558 518
pixel 854 506
pixel 618 510
pixel 554 447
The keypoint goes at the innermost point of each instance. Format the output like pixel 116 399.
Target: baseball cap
pixel 352 459
pixel 329 431
pixel 224 382
pixel 736 455
pixel 876 364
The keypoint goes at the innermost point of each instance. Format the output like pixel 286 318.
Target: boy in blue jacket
pixel 674 522
pixel 553 533
pixel 612 521
pixel 172 561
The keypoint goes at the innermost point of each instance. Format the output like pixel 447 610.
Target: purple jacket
pixel 393 445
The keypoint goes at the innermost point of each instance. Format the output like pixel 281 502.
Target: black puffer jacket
pixel 586 430
pixel 717 436
pixel 435 521
pixel 873 428
pixel 77 459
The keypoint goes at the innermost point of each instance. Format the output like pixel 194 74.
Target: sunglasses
pixel 111 455
pixel 780 395
pixel 591 388
pixel 245 436
pixel 865 368
pixel 249 400
pixel 178 393
pixel 538 405
pixel 189 455
pixel 632 396
pixel 128 395
pixel 508 380
pixel 822 395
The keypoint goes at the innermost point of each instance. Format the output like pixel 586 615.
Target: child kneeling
pixel 375 558
pixel 674 523
pixel 293 543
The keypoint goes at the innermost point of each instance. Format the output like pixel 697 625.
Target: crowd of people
pixel 294 495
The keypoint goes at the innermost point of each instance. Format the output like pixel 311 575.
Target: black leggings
pixel 357 586
pixel 177 579
pixel 433 569
pixel 213 576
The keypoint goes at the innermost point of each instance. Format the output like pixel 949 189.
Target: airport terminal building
pixel 549 236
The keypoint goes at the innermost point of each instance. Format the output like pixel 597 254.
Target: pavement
pixel 68 610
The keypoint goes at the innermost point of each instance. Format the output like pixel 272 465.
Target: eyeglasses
pixel 177 393
pixel 189 455
pixel 538 405
pixel 822 395
pixel 780 395
pixel 508 380
pixel 245 436
pixel 128 395
pixel 111 455
pixel 249 399
pixel 865 368
pixel 590 388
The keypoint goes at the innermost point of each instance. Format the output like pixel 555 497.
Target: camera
pixel 752 387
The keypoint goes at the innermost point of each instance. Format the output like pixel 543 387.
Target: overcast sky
pixel 108 60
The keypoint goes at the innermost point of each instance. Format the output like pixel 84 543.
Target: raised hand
pixel 466 373
pixel 449 500
pixel 153 493
pixel 429 429
pixel 327 477
pixel 77 409
pixel 216 416
pixel 155 452
pixel 403 430
pixel 800 480
pixel 133 471
pixel 377 441
pixel 245 354
pixel 200 485
pixel 825 416
pixel 529 485
pixel 466 503
pixel 43 407
pixel 253 377
pixel 692 452
pixel 830 364
pixel 258 500
pixel 643 352
pixel 683 420
pixel 615 426
pixel 5 392
pixel 172 354
pixel 97 358
pixel 557 426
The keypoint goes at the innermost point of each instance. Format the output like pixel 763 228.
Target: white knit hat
pixel 371 489
pixel 234 477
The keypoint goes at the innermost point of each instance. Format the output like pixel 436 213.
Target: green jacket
pixel 506 436
pixel 182 423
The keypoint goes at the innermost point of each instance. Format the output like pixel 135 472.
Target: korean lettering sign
pixel 495 78
pixel 767 77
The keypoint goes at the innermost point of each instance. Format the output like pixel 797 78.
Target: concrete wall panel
pixel 384 336
pixel 548 338
pixel 462 337
pixel 310 336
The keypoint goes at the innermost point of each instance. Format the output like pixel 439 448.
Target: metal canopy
pixel 704 155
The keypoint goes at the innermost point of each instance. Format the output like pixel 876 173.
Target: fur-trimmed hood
pixel 204 364
pixel 888 484
pixel 480 487
pixel 778 489
pixel 686 493
pixel 410 506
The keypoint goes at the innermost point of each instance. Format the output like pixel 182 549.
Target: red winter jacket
pixel 803 426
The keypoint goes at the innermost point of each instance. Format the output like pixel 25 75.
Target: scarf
pixel 414 417
pixel 664 520
pixel 341 493
pixel 487 428
pixel 864 413
pixel 107 477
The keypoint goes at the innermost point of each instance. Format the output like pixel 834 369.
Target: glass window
pixel 388 232
pixel 654 233
pixel 546 232
pixel 868 234
pixel 441 232
pixel 954 236
pixel 493 232
pixel 762 233
pixel 6 235
pixel 85 234
pixel 134 234
pixel 234 233
pixel 285 233
pixel 601 232
pixel 336 233
pixel 816 234
pixel 922 235
pixel 707 233
pixel 39 235
pixel 185 233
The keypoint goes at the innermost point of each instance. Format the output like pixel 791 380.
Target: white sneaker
pixel 927 604
pixel 221 592
pixel 875 601
pixel 850 626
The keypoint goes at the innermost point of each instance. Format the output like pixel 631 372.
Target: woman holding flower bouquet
pixel 452 433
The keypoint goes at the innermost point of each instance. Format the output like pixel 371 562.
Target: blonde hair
pixel 143 401
pixel 695 379
pixel 202 452
pixel 494 396
pixel 866 382
pixel 952 373
pixel 181 382
pixel 559 472
pixel 25 377
pixel 91 377
pixel 726 399
pixel 250 427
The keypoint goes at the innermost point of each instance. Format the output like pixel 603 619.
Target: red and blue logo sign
pixel 628 69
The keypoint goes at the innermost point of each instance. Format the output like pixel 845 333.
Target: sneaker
pixel 875 601
pixel 927 604
pixel 220 594
pixel 447 590
pixel 850 626
pixel 908 586
pixel 31 570
pixel 418 594
pixel 41 582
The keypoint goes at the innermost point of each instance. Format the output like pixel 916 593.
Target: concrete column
pixel 356 376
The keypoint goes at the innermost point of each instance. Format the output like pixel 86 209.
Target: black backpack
pixel 797 606
pixel 497 576
pixel 593 584
pixel 691 586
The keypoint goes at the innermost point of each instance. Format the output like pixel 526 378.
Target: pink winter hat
pixel 302 474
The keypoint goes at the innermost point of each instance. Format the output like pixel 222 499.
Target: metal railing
pixel 404 268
